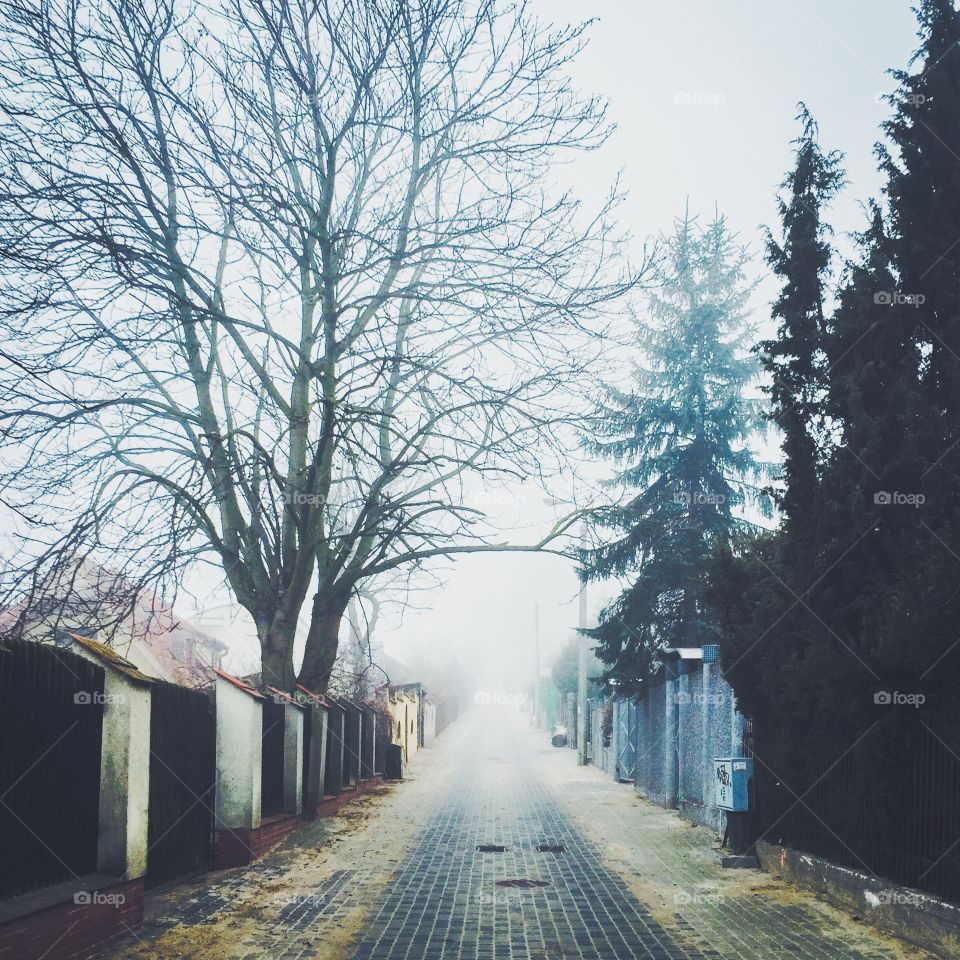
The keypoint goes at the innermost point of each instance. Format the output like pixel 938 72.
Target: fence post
pixel 706 759
pixel 239 765
pixel 671 786
pixel 124 763
pixel 317 765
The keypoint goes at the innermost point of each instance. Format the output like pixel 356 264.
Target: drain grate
pixel 523 883
pixel 551 848
pixel 491 848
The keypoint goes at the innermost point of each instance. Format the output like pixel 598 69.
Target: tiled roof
pixel 239 684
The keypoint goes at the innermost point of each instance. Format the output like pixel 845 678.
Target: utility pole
pixel 536 662
pixel 582 671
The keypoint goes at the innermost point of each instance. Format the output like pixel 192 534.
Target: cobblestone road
pixel 401 876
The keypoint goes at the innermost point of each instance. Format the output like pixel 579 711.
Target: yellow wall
pixel 404 711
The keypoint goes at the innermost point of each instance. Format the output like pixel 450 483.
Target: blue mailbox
pixel 732 776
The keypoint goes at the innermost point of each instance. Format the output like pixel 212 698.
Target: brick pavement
pixel 519 793
pixel 405 879
pixel 667 862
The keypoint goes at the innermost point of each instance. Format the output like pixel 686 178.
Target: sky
pixel 704 96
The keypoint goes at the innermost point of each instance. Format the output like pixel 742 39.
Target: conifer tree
pixel 800 259
pixel 681 440
pixel 878 609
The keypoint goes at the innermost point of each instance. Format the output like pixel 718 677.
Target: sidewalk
pixel 309 897
pixel 666 862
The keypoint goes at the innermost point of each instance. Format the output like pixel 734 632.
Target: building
pixel 153 636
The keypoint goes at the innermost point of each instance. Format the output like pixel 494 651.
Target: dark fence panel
pixel 333 775
pixel 51 714
pixel 884 800
pixel 182 778
pixel 271 796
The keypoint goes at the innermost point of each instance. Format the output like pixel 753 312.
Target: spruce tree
pixel 681 440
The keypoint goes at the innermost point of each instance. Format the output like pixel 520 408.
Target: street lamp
pixel 582 670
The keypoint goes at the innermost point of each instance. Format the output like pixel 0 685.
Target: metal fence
pixel 271 767
pixel 889 805
pixel 51 713
pixel 182 781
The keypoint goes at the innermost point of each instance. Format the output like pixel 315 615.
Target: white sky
pixel 744 64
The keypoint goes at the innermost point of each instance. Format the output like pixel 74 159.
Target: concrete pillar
pixel 317 766
pixel 706 762
pixel 124 778
pixel 293 758
pixel 670 738
pixel 239 733
pixel 124 762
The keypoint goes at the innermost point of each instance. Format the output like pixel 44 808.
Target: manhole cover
pixel 551 848
pixel 523 883
pixel 491 848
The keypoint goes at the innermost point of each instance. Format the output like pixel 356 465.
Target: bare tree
pixel 280 278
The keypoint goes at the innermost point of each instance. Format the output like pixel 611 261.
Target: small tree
pixel 681 438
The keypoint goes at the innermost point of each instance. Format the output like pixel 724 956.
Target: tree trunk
pixel 276 658
pixel 322 642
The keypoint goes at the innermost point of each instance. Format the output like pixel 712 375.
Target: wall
pixel 429 722
pixel 404 710
pixel 125 782
pixel 687 716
